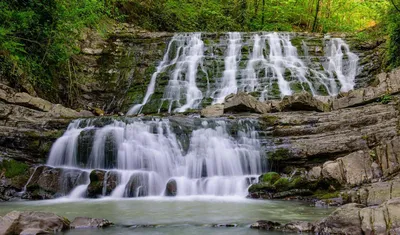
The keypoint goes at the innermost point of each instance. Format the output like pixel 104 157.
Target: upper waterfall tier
pixel 200 157
pixel 196 70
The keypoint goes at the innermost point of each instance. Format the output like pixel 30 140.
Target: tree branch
pixel 397 9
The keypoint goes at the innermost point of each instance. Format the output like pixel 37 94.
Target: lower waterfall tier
pixel 135 157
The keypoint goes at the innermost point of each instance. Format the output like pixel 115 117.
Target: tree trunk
pixel 314 27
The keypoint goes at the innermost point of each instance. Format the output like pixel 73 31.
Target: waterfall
pixel 201 67
pixel 184 76
pixel 228 83
pixel 213 157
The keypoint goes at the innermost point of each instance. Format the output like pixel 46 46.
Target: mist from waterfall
pixel 267 65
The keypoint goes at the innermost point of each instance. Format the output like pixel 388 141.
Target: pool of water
pixel 181 215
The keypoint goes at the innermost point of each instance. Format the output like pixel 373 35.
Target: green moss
pixel 13 168
pixel 270 120
pixel 270 177
pixel 323 194
pixel 265 187
pixel 298 183
pixel 282 184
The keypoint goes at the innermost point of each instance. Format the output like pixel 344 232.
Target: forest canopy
pixel 38 39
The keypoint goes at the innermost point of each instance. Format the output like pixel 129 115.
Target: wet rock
pixel 138 185
pixel 299 227
pixel 344 220
pixel 35 231
pixel 96 187
pixel 17 222
pixel 85 222
pixel 266 225
pixel 224 225
pixel 293 192
pixel 47 182
pixel 215 110
pixel 171 188
pixel 243 102
pixel 303 102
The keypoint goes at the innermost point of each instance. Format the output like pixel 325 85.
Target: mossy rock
pixel 270 120
pixel 270 177
pixel 282 184
pixel 325 194
pixel 261 187
pixel 13 168
pixel 298 183
pixel 280 154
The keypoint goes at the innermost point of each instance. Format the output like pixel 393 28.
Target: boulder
pixel 344 220
pixel 243 102
pixel 333 170
pixel 353 169
pixel 171 188
pixel 138 185
pixel 85 222
pixel 315 173
pixel 26 222
pixel 303 101
pixel 96 188
pixel 215 110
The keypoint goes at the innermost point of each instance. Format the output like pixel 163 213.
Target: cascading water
pixel 200 67
pixel 228 84
pixel 190 49
pixel 214 157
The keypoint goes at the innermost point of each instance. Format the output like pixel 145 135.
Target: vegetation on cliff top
pixel 38 39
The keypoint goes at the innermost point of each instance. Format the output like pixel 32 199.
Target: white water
pixel 228 83
pixel 183 78
pixel 147 155
pixel 272 68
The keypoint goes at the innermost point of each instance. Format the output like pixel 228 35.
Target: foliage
pixel 393 29
pixel 13 168
pixel 37 38
pixel 385 99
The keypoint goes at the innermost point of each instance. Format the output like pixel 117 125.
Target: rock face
pixel 315 137
pixel 243 102
pixel 27 222
pixel 85 222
